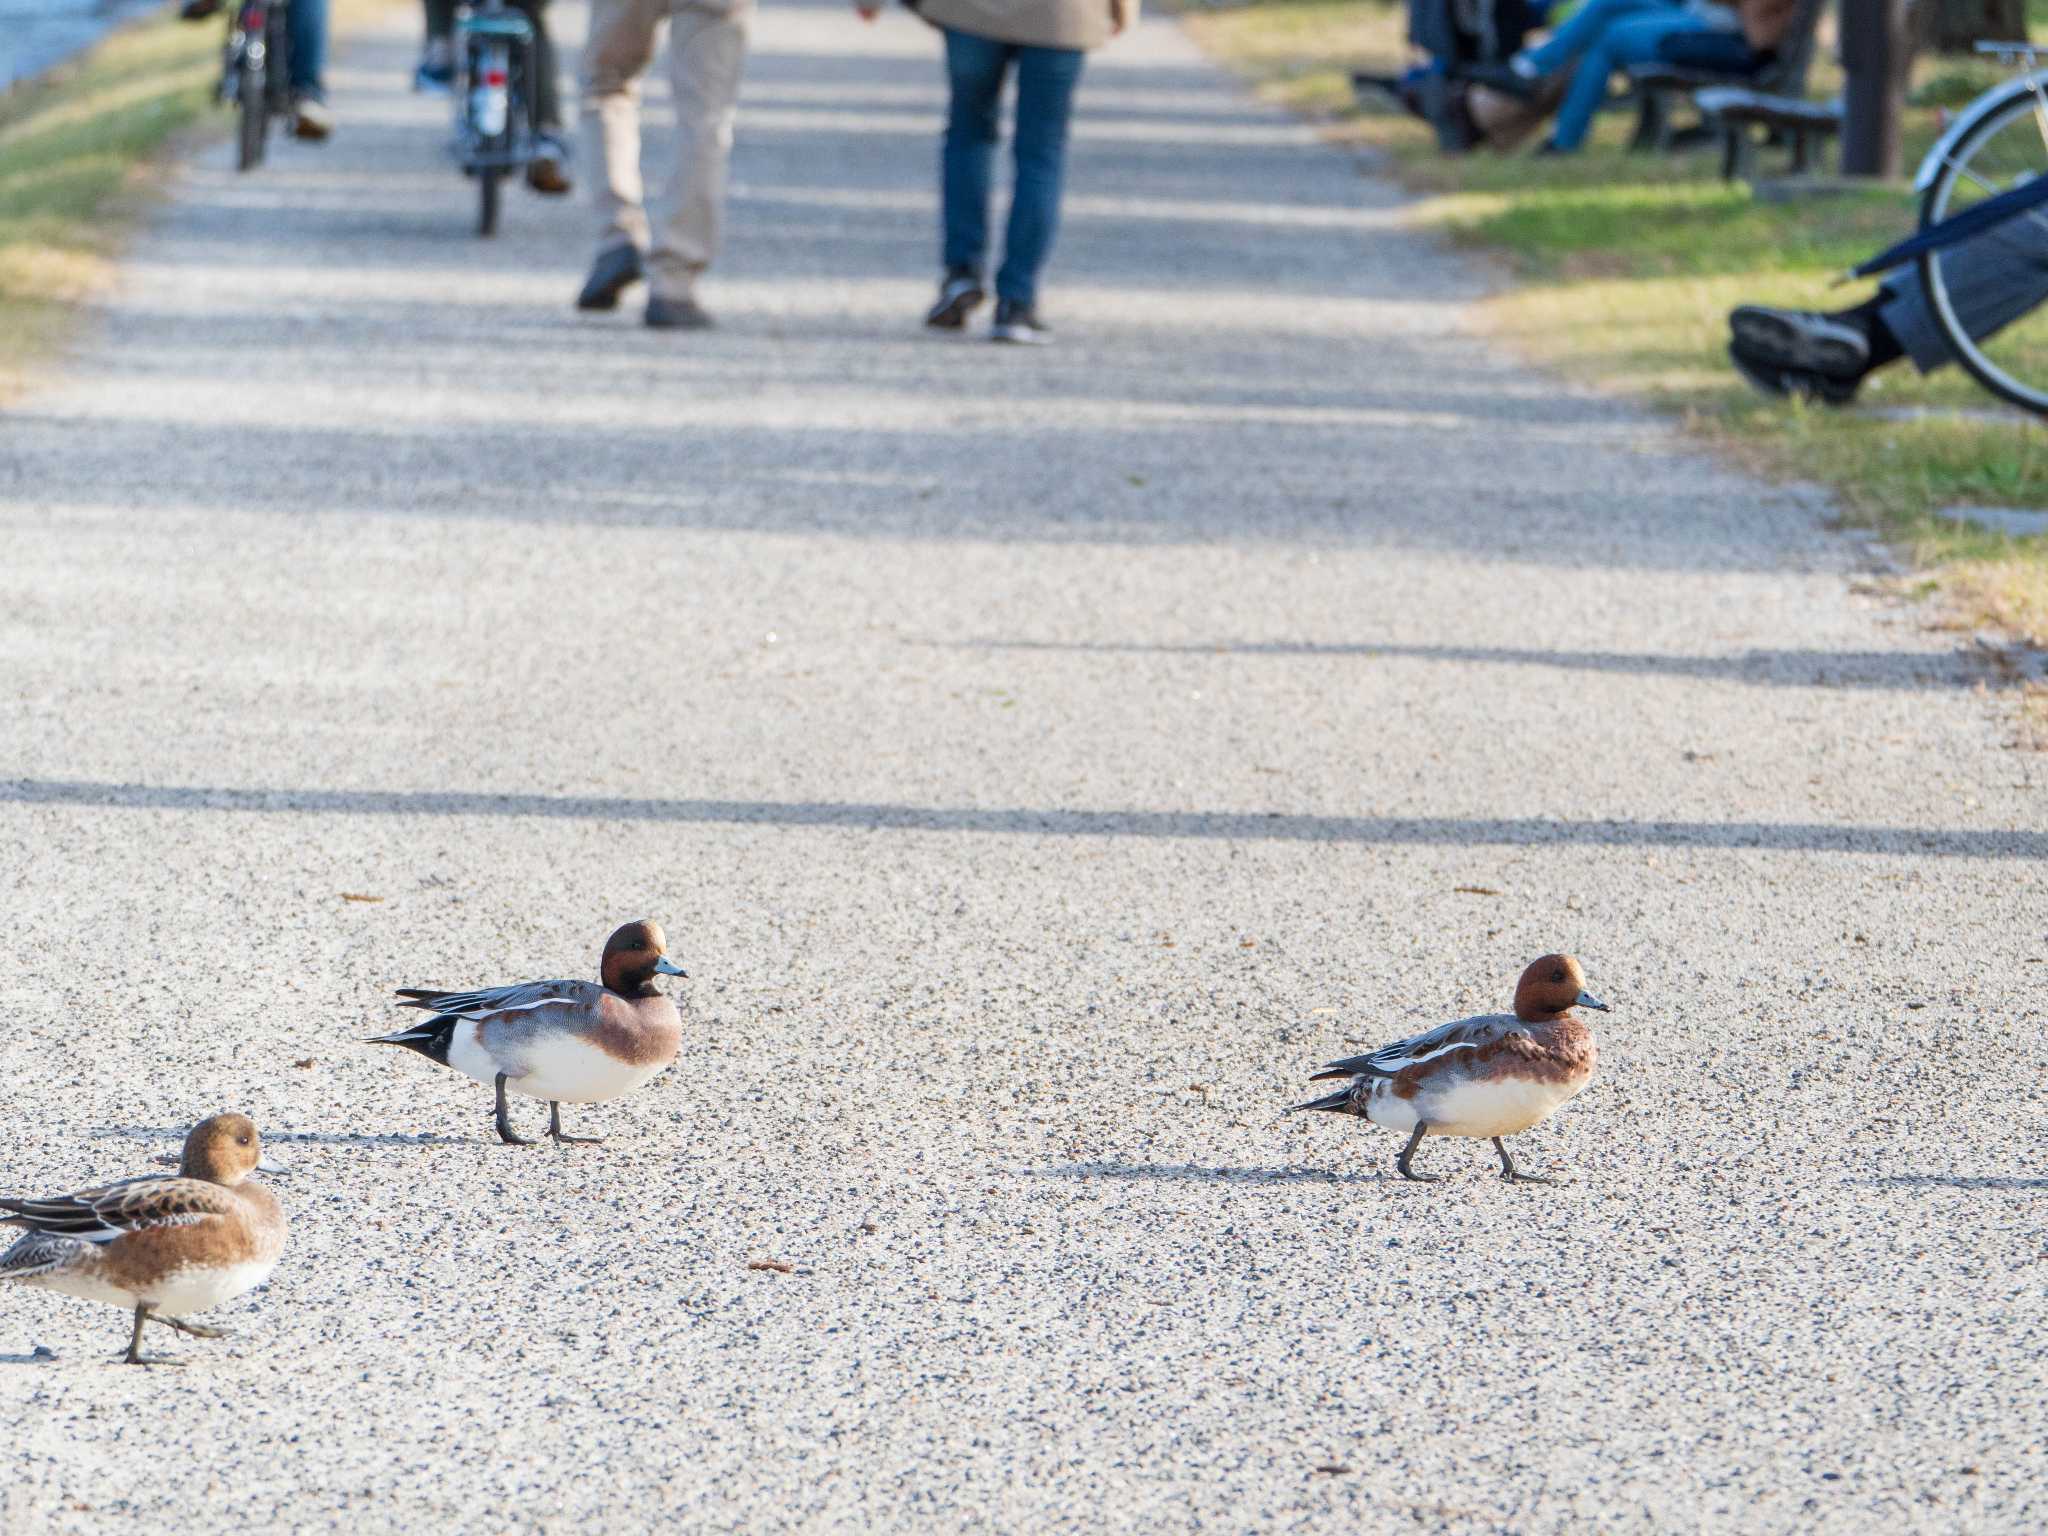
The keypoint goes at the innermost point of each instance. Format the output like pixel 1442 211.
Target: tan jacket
pixel 1765 22
pixel 1035 23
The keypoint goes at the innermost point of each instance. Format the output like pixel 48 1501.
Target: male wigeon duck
pixel 572 1042
pixel 166 1246
pixel 1494 1075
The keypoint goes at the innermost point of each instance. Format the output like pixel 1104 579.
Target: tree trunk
pixel 1876 54
pixel 1955 26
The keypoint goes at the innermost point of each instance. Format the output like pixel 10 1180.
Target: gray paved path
pixel 1041 761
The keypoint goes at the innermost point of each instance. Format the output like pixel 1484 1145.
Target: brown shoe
pixel 311 119
pixel 548 170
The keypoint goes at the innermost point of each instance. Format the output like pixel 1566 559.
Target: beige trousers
pixel 707 45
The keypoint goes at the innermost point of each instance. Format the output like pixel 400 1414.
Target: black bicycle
pixel 256 69
pixel 494 134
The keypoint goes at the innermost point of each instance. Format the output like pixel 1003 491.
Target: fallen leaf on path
pixel 1476 890
pixel 777 1265
pixel 304 1062
pixel 1331 1469
pixel 358 896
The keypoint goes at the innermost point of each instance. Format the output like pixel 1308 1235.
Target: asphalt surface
pixel 1041 760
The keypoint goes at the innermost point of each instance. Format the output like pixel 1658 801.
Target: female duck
pixel 162 1246
pixel 569 1042
pixel 1490 1076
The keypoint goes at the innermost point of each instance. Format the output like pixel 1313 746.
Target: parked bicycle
pixel 495 129
pixel 1984 194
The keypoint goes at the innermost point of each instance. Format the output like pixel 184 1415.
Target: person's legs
pixel 307 22
pixel 1046 78
pixel 436 71
pixel 975 67
pixel 707 48
pixel 620 46
pixel 1632 41
pixel 1991 281
pixel 545 99
pixel 1581 31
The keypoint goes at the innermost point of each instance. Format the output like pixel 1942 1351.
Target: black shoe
pixel 960 295
pixel 1019 324
pixel 676 314
pixel 1499 77
pixel 616 269
pixel 1800 340
pixel 1771 378
pixel 198 10
pixel 548 170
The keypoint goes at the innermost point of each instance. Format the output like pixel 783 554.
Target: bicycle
pixel 1986 178
pixel 255 76
pixel 494 130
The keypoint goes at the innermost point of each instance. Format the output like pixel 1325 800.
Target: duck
pixel 569 1042
pixel 163 1245
pixel 1494 1075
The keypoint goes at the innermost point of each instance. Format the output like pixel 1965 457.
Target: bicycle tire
pixel 255 115
pixel 1934 206
pixel 489 184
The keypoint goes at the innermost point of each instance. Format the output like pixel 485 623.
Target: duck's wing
pixel 1389 1060
pixel 133 1205
pixel 489 1002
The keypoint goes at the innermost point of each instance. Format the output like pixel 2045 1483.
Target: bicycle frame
pixel 2034 83
pixel 492 105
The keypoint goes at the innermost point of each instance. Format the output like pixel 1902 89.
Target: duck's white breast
pixel 571 1069
pixel 1489 1106
pixel 192 1288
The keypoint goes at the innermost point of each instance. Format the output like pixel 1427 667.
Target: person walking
pixel 707 46
pixel 1046 41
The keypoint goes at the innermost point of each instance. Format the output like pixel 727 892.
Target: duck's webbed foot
pixel 562 1137
pixel 1513 1175
pixel 506 1134
pixel 1402 1163
pixel 135 1356
pixel 197 1330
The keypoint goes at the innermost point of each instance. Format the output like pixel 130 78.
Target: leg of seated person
pixel 1637 40
pixel 1586 26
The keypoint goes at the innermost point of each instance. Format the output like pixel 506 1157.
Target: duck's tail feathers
pixel 1337 1103
pixel 430 1037
pixel 421 997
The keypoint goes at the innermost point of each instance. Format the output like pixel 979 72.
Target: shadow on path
pixel 1195 1173
pixel 1776 669
pixel 1272 826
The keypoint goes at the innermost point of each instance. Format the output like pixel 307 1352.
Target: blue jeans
pixel 1046 77
pixel 1641 40
pixel 307 20
pixel 1585 28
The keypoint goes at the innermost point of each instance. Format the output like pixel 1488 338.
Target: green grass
pixel 70 148
pixel 1627 265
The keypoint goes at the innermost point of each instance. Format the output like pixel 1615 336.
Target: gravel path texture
pixel 1041 761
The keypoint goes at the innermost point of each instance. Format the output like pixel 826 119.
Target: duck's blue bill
pixel 667 967
pixel 1588 1000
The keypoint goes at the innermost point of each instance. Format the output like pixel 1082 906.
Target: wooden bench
pixel 1658 88
pixel 1733 112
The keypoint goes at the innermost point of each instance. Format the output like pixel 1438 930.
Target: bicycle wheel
pixel 489 181
pixel 1993 284
pixel 255 111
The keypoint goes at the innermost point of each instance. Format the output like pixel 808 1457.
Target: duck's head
pixel 634 956
pixel 224 1149
pixel 1551 987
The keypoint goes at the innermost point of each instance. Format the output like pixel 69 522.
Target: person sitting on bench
pixel 1610 35
pixel 1992 281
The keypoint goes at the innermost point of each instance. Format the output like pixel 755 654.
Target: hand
pixel 1119 16
pixel 867 10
